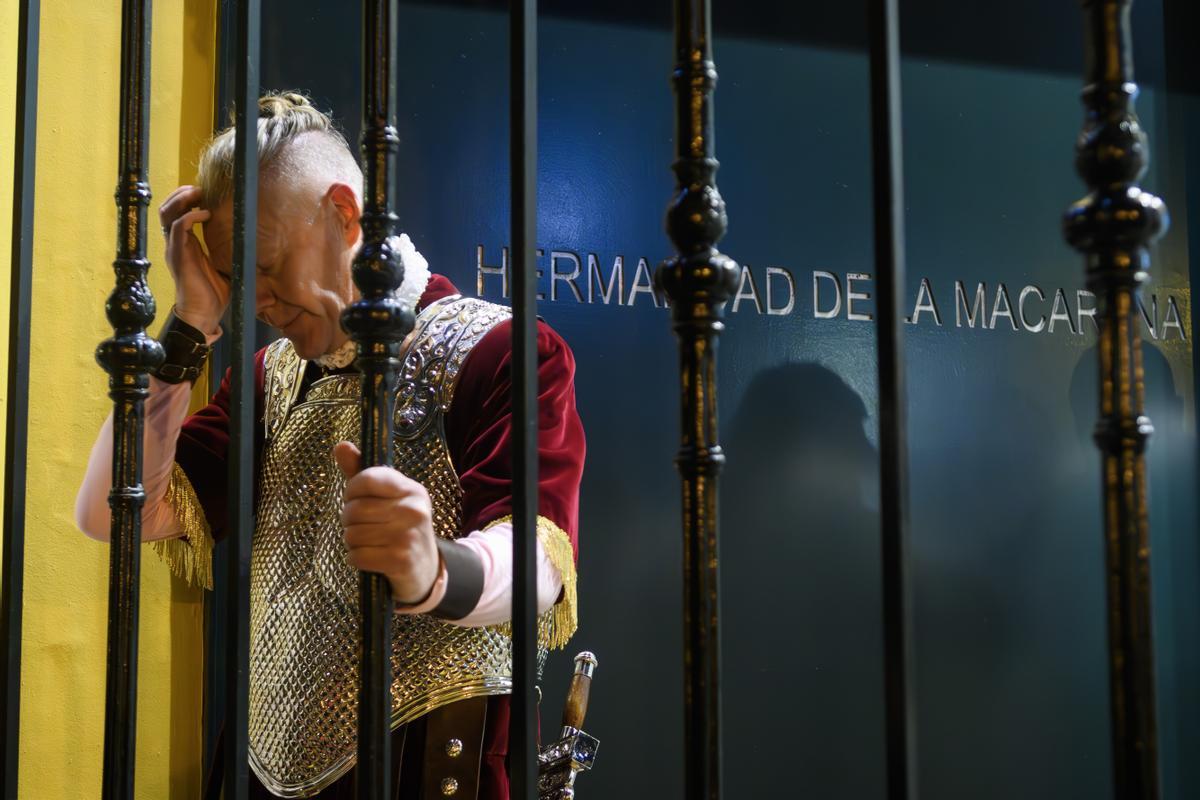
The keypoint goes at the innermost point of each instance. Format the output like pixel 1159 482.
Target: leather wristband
pixel 186 351
pixel 464 581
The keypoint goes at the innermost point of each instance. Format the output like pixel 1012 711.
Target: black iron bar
pixel 1113 227
pixel 17 411
pixel 128 356
pixel 522 735
pixel 240 491
pixel 698 281
pixel 888 174
pixel 378 323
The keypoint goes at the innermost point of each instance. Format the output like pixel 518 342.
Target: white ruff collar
pixel 416 276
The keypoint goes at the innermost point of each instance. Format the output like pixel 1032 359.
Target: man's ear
pixel 349 210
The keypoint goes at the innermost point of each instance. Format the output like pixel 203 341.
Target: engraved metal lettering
pixel 979 304
pixel 1081 311
pixel 568 278
pixel 747 290
pixel 852 295
pixel 1173 320
pixel 1041 323
pixel 1151 323
pixel 1060 302
pixel 642 283
pixel 790 305
pixel 1004 310
pixel 616 279
pixel 482 270
pixel 925 303
pixel 818 312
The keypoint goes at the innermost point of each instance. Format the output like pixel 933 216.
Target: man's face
pixel 306 244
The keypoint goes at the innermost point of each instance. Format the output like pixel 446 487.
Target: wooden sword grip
pixel 575 709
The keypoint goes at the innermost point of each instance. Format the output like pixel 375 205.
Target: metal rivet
pixel 454 748
pixel 449 786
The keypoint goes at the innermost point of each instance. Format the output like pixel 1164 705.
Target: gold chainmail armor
pixel 304 636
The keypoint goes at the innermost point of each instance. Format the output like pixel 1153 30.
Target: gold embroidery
pixel 555 632
pixel 188 556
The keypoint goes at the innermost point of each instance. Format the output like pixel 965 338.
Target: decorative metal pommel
pixel 585 664
pixel 575 751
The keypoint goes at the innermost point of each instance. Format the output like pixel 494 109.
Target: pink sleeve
pixel 494 549
pixel 166 409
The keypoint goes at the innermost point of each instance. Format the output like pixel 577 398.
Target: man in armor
pixel 437 526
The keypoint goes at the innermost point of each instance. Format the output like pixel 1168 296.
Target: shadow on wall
pixel 800 578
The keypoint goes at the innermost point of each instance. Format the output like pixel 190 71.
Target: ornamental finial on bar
pixel 1113 227
pixel 698 280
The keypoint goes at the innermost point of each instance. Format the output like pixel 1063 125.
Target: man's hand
pixel 201 292
pixel 388 524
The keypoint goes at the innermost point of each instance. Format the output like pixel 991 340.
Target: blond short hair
pixel 296 141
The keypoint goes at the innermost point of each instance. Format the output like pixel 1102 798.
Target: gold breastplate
pixel 304 634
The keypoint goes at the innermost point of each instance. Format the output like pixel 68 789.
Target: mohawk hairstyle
pixel 295 140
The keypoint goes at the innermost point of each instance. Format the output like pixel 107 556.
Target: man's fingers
pixel 401 511
pixel 380 482
pixel 187 187
pixel 383 483
pixel 167 203
pixel 181 229
pixel 372 534
pixel 177 202
pixel 370 509
pixel 348 458
pixel 186 220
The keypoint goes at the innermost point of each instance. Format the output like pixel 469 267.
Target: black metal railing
pixel 887 159
pixel 523 721
pixel 698 280
pixel 128 356
pixel 17 399
pixel 241 476
pixel 1114 226
pixel 378 323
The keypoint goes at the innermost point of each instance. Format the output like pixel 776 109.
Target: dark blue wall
pixel 1008 562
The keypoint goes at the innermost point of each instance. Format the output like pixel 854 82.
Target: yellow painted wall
pixel 66 574
pixel 8 107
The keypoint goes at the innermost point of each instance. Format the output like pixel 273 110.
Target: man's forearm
pixel 166 410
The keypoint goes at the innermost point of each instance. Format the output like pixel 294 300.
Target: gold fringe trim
pixel 557 625
pixel 188 556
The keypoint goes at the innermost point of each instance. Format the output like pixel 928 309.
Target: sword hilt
pixel 575 709
pixel 575 751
